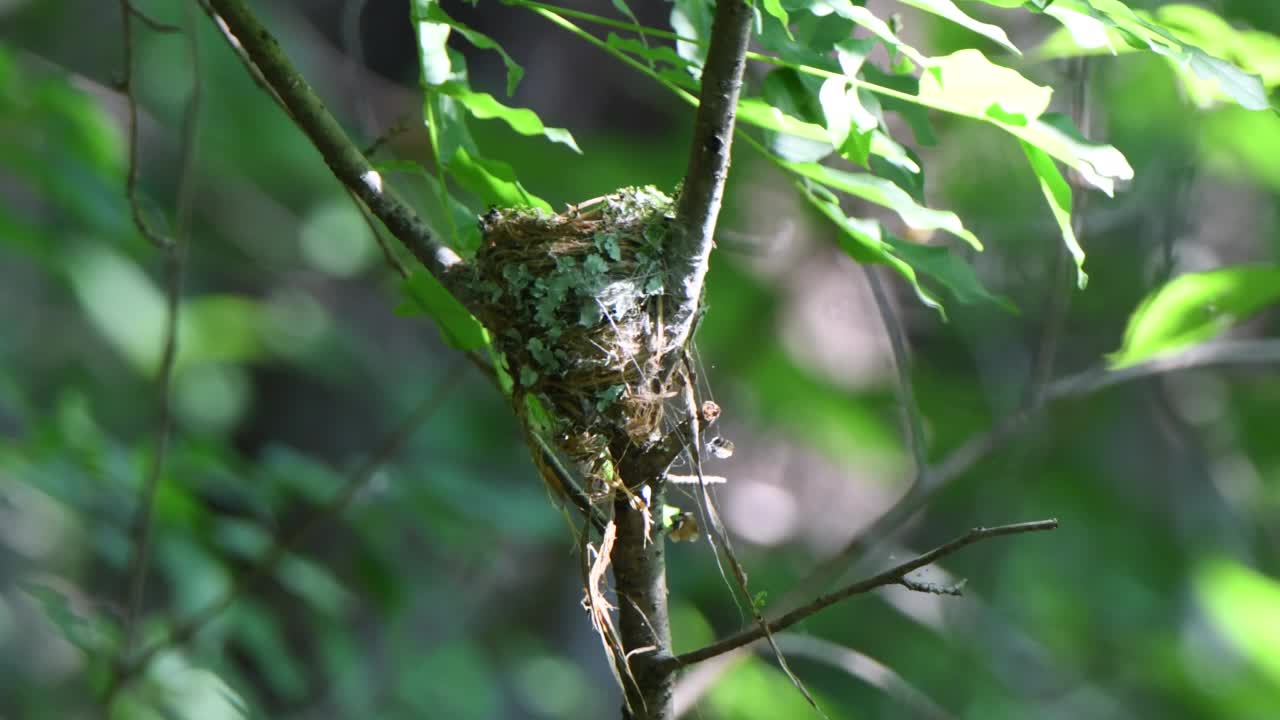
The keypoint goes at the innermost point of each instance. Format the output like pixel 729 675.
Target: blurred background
pixel 448 586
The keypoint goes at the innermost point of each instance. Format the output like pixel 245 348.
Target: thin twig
pixel 963 458
pixel 172 259
pixel 913 423
pixel 893 576
pixel 183 631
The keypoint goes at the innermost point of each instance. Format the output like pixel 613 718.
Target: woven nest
pixel 574 303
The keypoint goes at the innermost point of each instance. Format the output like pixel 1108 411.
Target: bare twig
pixel 344 159
pixel 184 630
pixel 893 576
pixel 963 458
pixel 172 259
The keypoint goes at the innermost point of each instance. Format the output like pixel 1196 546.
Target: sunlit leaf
pixel 524 121
pixel 949 10
pixel 422 293
pixel 173 689
pixel 1195 307
pixel 884 193
pixel 967 82
pixel 493 181
pixel 775 10
pixel 1102 166
pixel 1242 604
pixel 1058 194
pixel 1213 59
pixel 435 64
pixel 432 12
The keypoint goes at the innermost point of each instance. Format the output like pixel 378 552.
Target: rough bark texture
pixel 640 581
pixel 698 206
pixel 639 567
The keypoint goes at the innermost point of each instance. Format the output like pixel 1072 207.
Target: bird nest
pixel 574 303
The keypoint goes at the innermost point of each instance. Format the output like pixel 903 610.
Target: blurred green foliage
pixel 448 586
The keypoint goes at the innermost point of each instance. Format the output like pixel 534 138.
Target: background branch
pixel 172 253
pixel 183 631
pixel 892 576
pixel 344 159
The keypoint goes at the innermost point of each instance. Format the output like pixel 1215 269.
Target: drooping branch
pixel 344 159
pixel 895 575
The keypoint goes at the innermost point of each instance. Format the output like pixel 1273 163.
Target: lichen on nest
pixel 574 303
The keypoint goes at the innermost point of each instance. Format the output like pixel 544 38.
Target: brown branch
pixel 344 159
pixel 698 206
pixel 893 576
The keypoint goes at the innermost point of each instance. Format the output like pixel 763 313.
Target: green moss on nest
pixel 574 302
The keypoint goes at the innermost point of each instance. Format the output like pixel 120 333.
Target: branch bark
pixel 639 568
pixel 893 576
pixel 342 156
pixel 698 206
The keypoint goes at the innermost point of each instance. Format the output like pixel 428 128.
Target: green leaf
pixel 524 121
pixel 434 62
pixel 868 20
pixel 1195 307
pixel 692 19
pixel 966 82
pixel 433 12
pixel 886 194
pixel 494 182
pixel 774 9
pixel 87 632
pixel 1241 603
pixel 422 293
pixel 1213 59
pixel 1058 193
pixel 1099 165
pixel 948 9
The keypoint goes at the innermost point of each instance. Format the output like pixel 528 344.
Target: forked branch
pixel 895 575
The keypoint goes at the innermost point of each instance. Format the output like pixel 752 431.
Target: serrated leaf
pixel 949 10
pixel 1098 164
pixel 1195 307
pixel 966 82
pixel 1058 194
pixel 523 120
pixel 884 193
pixel 422 293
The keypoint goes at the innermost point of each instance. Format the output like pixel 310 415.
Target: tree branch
pixel 893 576
pixel 183 631
pixel 698 206
pixel 344 159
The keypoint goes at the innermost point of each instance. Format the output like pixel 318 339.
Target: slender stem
pixel 342 156
pixel 892 576
pixel 172 260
